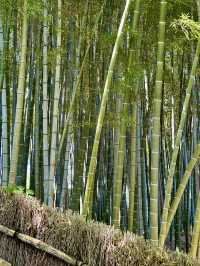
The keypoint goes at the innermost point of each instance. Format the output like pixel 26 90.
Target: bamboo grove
pixel 99 111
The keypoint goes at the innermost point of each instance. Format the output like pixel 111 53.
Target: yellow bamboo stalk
pixel 196 230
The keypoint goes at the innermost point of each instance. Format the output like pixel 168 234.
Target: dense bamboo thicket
pixel 99 112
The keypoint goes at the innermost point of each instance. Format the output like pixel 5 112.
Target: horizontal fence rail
pixel 40 245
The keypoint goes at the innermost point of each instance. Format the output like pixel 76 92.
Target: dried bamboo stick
pixel 41 246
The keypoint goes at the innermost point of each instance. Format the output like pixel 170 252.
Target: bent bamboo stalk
pixel 40 245
pixel 181 188
pixel 168 189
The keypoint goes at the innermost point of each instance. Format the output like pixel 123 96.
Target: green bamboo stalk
pixel 51 179
pixel 76 90
pixel 198 9
pixel 133 61
pixel 79 155
pixel 176 148
pixel 117 193
pixel 28 120
pixel 36 124
pixel 64 197
pixel 5 147
pixel 20 100
pixel 45 104
pixel 87 208
pixel 145 206
pixel 14 67
pixel 1 52
pixel 133 171
pixel 4 178
pixel 117 132
pixel 181 187
pixel 78 179
pixel 156 125
pixel 140 225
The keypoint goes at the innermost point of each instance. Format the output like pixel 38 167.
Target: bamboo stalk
pixel 196 230
pixel 181 188
pixel 40 245
pixel 75 92
pixel 156 114
pixel 117 195
pixel 133 61
pixel 87 208
pixel 45 133
pixel 168 188
pixel 20 100
pixel 4 263
pixel 54 133
pixel 1 52
pixel 5 142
